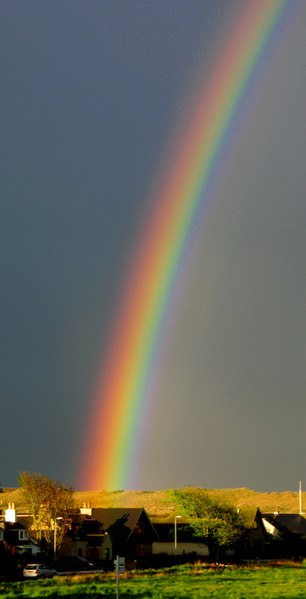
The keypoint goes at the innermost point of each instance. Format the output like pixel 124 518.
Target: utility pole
pixel 300 498
pixel 54 540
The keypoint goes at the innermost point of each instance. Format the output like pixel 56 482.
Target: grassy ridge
pixel 160 506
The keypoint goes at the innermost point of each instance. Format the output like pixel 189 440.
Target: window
pixel 139 528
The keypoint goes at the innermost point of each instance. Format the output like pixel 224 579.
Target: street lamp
pixel 54 537
pixel 175 530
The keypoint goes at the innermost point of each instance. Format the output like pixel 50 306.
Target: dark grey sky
pixel 90 94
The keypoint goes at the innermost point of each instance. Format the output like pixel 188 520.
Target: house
pixel 99 534
pixel 87 539
pixel 14 535
pixel 130 529
pixel 283 535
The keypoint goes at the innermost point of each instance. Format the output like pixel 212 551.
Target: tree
pixel 50 504
pixel 220 524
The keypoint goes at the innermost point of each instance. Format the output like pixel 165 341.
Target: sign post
pixel 119 563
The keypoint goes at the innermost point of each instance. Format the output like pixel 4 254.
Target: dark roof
pixel 129 517
pixel 292 523
pixel 108 516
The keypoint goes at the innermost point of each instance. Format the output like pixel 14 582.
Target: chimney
pixel 86 510
pixel 10 513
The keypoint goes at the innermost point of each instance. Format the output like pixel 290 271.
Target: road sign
pixel 119 564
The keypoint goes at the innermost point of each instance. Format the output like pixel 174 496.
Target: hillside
pixel 160 506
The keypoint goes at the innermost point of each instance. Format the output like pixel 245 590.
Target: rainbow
pixel 179 201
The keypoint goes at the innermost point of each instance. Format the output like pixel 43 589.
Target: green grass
pixel 181 582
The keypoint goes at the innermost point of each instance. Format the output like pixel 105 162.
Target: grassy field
pixel 183 582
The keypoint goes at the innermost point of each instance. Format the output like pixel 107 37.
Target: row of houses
pixel 99 534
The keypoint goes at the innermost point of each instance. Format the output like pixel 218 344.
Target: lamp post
pixel 55 535
pixel 175 530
